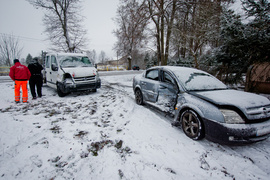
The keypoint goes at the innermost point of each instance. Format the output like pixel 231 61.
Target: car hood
pixel 81 71
pixel 252 105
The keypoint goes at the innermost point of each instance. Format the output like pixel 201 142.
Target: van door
pixel 48 70
pixel 54 69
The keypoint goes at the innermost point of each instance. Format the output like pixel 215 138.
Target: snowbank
pixel 106 135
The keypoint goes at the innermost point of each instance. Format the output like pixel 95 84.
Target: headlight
pixel 232 117
pixel 68 81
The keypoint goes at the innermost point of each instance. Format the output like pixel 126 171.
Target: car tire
pixel 192 125
pixel 59 92
pixel 138 97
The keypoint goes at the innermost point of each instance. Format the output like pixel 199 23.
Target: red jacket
pixel 19 72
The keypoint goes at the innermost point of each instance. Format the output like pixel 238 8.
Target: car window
pixel 167 78
pixel 152 74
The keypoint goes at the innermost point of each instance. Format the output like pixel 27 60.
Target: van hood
pixel 252 105
pixel 81 71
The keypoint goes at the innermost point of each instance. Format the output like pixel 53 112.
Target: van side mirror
pixel 54 67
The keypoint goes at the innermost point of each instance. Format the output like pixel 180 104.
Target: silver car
pixel 203 106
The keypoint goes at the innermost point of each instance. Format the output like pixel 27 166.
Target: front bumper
pixel 236 133
pixel 67 88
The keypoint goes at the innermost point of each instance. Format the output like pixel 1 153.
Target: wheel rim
pixel 138 97
pixel 190 124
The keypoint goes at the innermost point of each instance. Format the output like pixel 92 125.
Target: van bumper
pixel 67 88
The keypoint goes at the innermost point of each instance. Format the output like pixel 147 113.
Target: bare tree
pixel 162 13
pixel 102 57
pixel 132 20
pixel 9 49
pixel 62 21
pixel 197 26
pixel 92 55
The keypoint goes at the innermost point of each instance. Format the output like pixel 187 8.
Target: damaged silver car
pixel 203 106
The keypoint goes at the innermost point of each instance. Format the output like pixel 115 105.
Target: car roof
pixel 187 70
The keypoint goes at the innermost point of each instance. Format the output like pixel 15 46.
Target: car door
pixel 167 91
pixel 150 84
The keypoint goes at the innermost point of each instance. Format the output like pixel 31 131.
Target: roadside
pixel 106 135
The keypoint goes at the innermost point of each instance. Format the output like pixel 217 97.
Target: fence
pixel 4 70
pixel 111 68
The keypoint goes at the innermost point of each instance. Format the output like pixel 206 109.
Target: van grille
pixel 84 79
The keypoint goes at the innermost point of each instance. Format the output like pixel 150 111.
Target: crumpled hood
pixel 240 99
pixel 81 71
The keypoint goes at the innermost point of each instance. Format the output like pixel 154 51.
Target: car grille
pixel 84 79
pixel 260 112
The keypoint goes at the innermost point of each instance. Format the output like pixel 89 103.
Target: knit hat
pixel 16 60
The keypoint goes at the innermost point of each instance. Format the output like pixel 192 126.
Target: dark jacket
pixel 35 68
pixel 19 72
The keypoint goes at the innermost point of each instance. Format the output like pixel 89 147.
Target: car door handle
pixel 162 87
pixel 143 83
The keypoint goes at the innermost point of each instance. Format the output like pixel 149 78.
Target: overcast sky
pixel 21 19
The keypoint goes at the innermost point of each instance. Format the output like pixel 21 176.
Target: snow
pixel 106 135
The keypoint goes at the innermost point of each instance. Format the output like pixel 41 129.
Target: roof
pixel 180 68
pixel 67 54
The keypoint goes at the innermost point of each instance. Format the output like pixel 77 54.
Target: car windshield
pixel 199 81
pixel 74 61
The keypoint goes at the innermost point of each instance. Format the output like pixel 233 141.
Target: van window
pixel 53 60
pixel 48 61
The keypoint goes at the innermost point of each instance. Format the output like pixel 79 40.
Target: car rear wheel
pixel 138 97
pixel 192 125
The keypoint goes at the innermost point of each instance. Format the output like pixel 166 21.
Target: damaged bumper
pixel 237 133
pixel 67 88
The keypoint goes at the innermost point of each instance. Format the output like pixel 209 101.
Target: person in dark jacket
pixel 20 74
pixel 36 78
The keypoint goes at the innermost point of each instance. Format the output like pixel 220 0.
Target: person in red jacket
pixel 20 74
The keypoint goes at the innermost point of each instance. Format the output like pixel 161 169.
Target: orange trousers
pixel 18 85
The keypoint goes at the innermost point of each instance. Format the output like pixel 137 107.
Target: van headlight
pixel 231 117
pixel 68 81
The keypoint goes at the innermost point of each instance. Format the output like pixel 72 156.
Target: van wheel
pixel 192 125
pixel 59 92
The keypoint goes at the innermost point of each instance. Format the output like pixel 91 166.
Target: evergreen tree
pixel 244 44
pixel 29 58
pixel 258 29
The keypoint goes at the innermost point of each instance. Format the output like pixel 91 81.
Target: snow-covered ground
pixel 106 135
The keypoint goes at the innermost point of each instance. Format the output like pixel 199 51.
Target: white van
pixel 70 72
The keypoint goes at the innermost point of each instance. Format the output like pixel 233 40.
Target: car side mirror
pixel 54 67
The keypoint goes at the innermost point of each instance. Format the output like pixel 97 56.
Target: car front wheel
pixel 138 97
pixel 192 125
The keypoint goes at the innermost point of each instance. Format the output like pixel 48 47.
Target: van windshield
pixel 74 61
